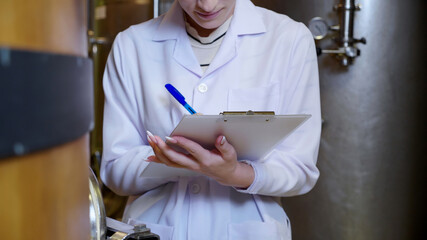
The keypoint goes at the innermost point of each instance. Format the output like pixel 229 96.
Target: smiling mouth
pixel 208 16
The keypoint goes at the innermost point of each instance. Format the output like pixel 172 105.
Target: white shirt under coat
pixel 266 62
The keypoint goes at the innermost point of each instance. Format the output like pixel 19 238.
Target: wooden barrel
pixel 44 145
pixel 57 26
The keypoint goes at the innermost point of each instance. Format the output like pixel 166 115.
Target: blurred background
pixel 372 76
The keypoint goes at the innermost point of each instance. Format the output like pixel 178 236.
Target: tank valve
pixel 347 50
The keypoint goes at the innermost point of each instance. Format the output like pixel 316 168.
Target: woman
pixel 222 55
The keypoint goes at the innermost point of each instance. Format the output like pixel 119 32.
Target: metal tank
pixel 371 185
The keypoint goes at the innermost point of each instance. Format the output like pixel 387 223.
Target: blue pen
pixel 178 96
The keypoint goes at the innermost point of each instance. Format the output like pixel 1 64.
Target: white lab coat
pixel 266 62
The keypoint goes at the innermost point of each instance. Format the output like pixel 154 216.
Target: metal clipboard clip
pixel 250 112
pixel 266 115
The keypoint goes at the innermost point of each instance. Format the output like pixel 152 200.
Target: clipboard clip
pixel 250 112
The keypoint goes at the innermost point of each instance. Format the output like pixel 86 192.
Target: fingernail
pixel 150 137
pixel 223 140
pixel 169 139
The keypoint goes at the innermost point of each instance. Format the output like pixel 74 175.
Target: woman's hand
pixel 220 164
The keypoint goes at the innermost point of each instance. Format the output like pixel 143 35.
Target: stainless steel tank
pixel 371 184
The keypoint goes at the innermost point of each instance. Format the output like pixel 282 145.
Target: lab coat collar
pixel 172 25
pixel 246 20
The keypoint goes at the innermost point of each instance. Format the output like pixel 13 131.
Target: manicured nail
pixel 171 140
pixel 223 140
pixel 150 137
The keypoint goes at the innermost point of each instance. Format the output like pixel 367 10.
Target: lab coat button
pixel 195 188
pixel 202 88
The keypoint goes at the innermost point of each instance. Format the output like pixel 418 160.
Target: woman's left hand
pixel 220 163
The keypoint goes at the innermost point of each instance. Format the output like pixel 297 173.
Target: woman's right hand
pixel 220 163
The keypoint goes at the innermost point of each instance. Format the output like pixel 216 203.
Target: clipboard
pixel 252 134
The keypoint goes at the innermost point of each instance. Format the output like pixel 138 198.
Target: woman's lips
pixel 208 16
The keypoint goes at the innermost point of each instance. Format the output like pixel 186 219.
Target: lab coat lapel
pixel 246 21
pixel 184 55
pixel 226 52
pixel 173 27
